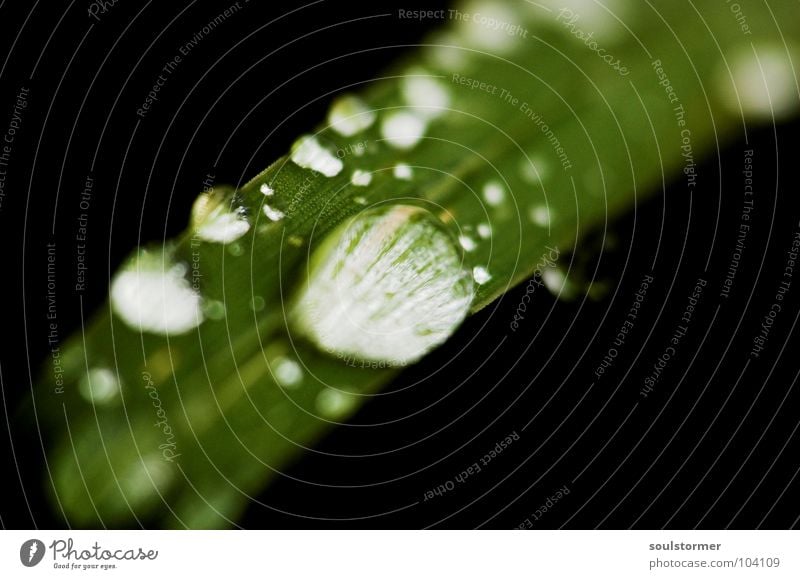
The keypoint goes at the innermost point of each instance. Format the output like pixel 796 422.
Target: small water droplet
pixel 760 83
pixel 214 309
pixel 360 200
pixel 493 26
pixel 335 404
pixel 216 221
pixel 481 275
pixel 494 193
pixel 387 285
pixel 539 215
pixel 361 178
pixel 99 385
pixel 403 129
pixel 309 154
pixel 266 190
pixel 557 283
pixel 484 230
pixel 257 303
pixel 151 293
pixel 295 241
pixel 553 280
pixel 273 214
pixel 532 170
pixel 140 480
pixel 426 94
pixel 288 373
pixel 236 249
pixel 403 172
pixel 445 54
pixel 349 115
pixel 467 242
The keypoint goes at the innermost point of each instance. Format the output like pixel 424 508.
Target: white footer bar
pixel 401 554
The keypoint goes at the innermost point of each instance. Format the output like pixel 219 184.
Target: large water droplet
pixel 151 294
pixel 387 285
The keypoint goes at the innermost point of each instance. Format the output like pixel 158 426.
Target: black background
pixel 713 446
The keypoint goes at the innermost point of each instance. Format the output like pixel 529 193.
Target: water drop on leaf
pixel 99 385
pixel 387 285
pixel 350 115
pixel 217 219
pixel 151 294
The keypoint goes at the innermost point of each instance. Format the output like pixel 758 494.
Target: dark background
pixel 713 446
